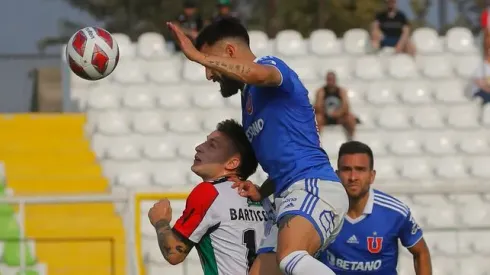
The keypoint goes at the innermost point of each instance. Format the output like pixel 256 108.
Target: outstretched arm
pixel 173 246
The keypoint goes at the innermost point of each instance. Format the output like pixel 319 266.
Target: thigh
pixel 315 206
pixel 265 264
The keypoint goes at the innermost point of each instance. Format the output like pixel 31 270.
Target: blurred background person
pixel 190 20
pixel 332 107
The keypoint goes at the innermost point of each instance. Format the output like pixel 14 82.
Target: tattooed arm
pixel 245 71
pixel 174 246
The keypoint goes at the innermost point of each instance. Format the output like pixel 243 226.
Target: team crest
pixel 374 244
pixel 249 106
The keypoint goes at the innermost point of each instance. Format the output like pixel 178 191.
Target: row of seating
pixel 369 68
pixel 470 265
pixel 321 42
pixel 407 143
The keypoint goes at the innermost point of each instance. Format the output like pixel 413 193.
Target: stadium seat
pixel 126 47
pixel 138 98
pixel 290 43
pixel 186 146
pixel 464 117
pixel 438 243
pixel 165 71
pixel 474 215
pixel 427 41
pixel 428 117
pixel 437 67
pixel 172 97
pixel 355 93
pixel 478 167
pixel 194 72
pixel 170 173
pixel 402 66
pixel 159 148
pixel 405 144
pixel 356 41
pixel 99 99
pixel 152 45
pixel 324 42
pixel 133 178
pixel 450 168
pixel 303 67
pixel 184 122
pixel 259 43
pixel 381 93
pixel 460 41
pixel 367 116
pixel 369 68
pixel 439 143
pixel 486 115
pixel 208 97
pixel 378 145
pixel 475 265
pixel 148 123
pixel 130 72
pixel 415 92
pixel 467 65
pixel 449 91
pixel 341 66
pixel 474 144
pixel 393 118
pixel 386 169
pixel 113 123
pixel 415 169
pixel 124 149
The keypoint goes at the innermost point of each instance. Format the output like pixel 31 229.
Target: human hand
pixel 246 189
pixel 185 44
pixel 160 211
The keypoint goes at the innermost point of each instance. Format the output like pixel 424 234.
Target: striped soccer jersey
pixel 226 229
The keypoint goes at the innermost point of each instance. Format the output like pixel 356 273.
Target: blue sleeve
pixel 410 232
pixel 286 75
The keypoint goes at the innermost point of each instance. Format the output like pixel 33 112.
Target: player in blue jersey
pixel 368 241
pixel 280 123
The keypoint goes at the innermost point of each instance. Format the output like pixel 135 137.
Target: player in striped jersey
pixel 225 228
pixel 375 221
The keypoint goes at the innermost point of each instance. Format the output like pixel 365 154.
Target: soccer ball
pixel 92 53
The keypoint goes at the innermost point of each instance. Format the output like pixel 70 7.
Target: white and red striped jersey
pixel 225 228
pixel 484 18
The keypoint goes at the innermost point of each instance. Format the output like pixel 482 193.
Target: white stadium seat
pixel 486 115
pixel 130 72
pixel 437 66
pixel 170 98
pixel 259 43
pixel 98 99
pixel 113 123
pixel 170 173
pixel 428 117
pixel 393 118
pixel 148 123
pixel 439 143
pixel 165 71
pixel 402 66
pixel 449 91
pixel 450 168
pixel 369 68
pixel 124 149
pixel 479 167
pixel 474 144
pixel 194 72
pixel 290 43
pixel 381 93
pixel 136 97
pixel 415 92
pixel 460 41
pixel 405 144
pixel 126 47
pixel 304 68
pixel 464 117
pixel 184 122
pixel 159 148
pixel 208 97
pixel 152 45
pixel 427 41
pixel 416 169
pixel 324 42
pixel 378 145
pixel 341 66
pixel 356 41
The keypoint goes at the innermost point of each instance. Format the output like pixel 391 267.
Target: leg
pixel 307 223
pixel 265 264
pixel 349 123
pixel 410 48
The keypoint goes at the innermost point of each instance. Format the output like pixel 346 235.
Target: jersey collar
pixel 368 209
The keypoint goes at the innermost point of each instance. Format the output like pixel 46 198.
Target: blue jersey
pixel 280 124
pixel 369 244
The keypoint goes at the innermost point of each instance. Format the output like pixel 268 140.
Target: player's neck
pixel 217 177
pixel 356 206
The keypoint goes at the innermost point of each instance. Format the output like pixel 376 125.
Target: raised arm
pixel 174 247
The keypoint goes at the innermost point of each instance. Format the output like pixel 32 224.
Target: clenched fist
pixel 160 211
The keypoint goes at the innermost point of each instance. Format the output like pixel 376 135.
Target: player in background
pixel 279 121
pixel 368 241
pixel 224 227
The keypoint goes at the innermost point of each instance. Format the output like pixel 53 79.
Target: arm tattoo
pixel 236 69
pixel 170 243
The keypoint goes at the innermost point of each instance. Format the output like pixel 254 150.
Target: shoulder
pixel 390 204
pixel 204 194
pixel 269 60
pixel 401 14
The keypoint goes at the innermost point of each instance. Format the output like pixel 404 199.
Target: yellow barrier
pixel 137 212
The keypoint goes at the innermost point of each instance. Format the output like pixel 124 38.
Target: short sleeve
pixel 197 219
pixel 284 70
pixel 410 232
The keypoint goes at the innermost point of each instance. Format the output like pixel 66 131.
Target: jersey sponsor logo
pixel 254 129
pixel 249 105
pixel 374 244
pixel 353 240
pixel 253 203
pixel 241 214
pixel 353 265
pixel 415 225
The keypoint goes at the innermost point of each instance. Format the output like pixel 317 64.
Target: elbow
pixel 174 260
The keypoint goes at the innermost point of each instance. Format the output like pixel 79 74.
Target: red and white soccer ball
pixel 92 53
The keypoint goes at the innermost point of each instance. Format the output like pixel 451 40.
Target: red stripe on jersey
pixel 197 204
pixel 484 19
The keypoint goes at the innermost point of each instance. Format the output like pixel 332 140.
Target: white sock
pixel 301 263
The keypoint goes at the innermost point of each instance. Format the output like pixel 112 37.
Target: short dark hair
pixel 248 162
pixel 356 147
pixel 227 27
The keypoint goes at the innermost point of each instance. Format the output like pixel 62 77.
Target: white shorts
pixel 323 203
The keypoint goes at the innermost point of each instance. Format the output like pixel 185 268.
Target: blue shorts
pixel 483 95
pixel 389 42
pixel 323 203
